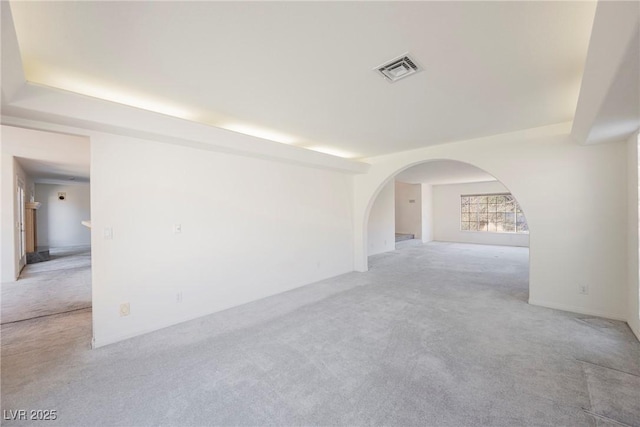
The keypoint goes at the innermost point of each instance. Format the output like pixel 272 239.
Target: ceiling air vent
pixel 398 68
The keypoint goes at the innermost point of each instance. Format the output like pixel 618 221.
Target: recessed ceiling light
pixel 398 68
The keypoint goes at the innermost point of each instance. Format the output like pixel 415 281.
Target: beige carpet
pixel 56 286
pixel 433 335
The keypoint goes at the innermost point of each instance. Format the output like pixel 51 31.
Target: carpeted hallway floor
pixel 56 286
pixel 433 335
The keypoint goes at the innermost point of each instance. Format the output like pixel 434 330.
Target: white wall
pixel 575 199
pixel 633 167
pixel 250 228
pixel 29 185
pixel 59 221
pixel 11 263
pixel 382 222
pixel 409 215
pixel 446 211
pixel 254 227
pixel 20 175
pixel 36 145
pixel 7 270
pixel 427 213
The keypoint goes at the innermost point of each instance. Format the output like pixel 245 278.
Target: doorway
pixel 444 210
pixel 53 244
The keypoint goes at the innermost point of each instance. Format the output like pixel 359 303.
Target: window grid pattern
pixel 498 213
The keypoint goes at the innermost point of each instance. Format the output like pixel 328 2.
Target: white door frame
pixel 22 237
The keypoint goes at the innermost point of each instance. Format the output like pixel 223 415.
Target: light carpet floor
pixel 433 335
pixel 56 286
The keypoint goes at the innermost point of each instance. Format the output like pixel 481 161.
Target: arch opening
pixel 443 200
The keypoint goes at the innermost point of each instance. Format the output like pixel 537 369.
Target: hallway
pixel 60 285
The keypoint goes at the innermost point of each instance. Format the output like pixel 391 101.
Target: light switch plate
pixel 108 233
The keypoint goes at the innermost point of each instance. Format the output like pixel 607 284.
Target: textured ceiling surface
pixel 301 73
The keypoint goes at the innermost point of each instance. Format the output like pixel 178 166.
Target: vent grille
pixel 398 68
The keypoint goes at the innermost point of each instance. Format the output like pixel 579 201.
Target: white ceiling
pixel 46 172
pixel 303 70
pixel 443 172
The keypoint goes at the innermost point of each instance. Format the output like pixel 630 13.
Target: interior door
pixel 22 233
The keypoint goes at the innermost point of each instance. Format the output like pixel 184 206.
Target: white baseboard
pixel 573 309
pixel 103 341
pixel 635 328
pixel 579 310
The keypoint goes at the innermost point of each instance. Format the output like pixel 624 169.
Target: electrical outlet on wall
pixel 125 309
pixel 179 297
pixel 583 289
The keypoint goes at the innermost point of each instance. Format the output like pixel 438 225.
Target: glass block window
pixel 497 213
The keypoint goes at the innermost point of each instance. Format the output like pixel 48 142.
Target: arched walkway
pixel 368 187
pixel 566 193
